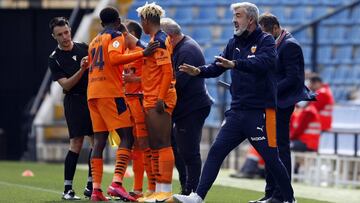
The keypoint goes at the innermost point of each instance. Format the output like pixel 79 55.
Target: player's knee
pixel 76 144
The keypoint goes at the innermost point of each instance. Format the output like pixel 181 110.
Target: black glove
pixel 150 49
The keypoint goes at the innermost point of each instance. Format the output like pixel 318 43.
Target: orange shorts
pixel 138 114
pixel 108 114
pixel 169 100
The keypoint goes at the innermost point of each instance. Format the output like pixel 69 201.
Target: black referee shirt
pixel 67 63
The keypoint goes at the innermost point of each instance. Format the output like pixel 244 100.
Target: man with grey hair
pixel 250 56
pixel 192 107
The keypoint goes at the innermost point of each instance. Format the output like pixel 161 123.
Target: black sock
pixel 70 167
pixel 89 183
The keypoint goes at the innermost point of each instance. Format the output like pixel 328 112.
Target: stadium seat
pixel 343 55
pixel 226 33
pixel 337 34
pixel 210 53
pixel 298 15
pixel 341 75
pixel 207 15
pixel 202 34
pixel 346 143
pixel 355 15
pixel 324 54
pixel 327 74
pixel 279 12
pixel 318 12
pixel 312 2
pixel 326 143
pixel 333 2
pixel 353 78
pixel 183 15
pixel 307 54
pixel 339 18
pixel 354 34
pixel 323 34
pixel 291 2
pixel 303 36
pixel 357 55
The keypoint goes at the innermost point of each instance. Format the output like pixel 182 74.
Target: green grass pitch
pixel 47 185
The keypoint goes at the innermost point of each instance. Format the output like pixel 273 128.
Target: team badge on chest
pixel 253 49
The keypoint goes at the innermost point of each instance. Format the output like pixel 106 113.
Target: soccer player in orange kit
pixel 158 84
pixel 106 100
pixel 141 152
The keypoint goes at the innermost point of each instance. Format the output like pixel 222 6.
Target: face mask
pixel 240 30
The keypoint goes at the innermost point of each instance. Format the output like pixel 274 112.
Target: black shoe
pixel 274 200
pixel 262 200
pixel 88 192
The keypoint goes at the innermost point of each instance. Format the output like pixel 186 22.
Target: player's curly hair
pixel 152 12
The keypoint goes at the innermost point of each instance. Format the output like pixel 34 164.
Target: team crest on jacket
pixel 253 49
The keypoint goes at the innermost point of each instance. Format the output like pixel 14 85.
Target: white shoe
pixel 192 198
pixel 294 201
pixel 70 195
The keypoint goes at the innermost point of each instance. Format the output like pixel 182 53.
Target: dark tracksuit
pixel 251 115
pixel 192 108
pixel 291 89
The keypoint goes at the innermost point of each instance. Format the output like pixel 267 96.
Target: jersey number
pixel 97 58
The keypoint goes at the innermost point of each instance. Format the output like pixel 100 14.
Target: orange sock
pixel 166 165
pixel 122 159
pixel 97 172
pixel 138 168
pixel 149 173
pixel 155 164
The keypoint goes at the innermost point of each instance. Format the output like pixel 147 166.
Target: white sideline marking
pixel 30 187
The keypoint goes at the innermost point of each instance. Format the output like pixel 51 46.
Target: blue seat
pixel 228 15
pixel 340 18
pixel 213 119
pixel 318 11
pixel 353 78
pixel 326 143
pixel 336 34
pixel 327 74
pixel 323 34
pixel 307 54
pixel 202 34
pixel 341 75
pixel 324 54
pixel 132 14
pixel 210 53
pixel 333 2
pixel 354 34
pixel 302 36
pixel 357 55
pixel 227 33
pixel 207 15
pixel 279 12
pixel 183 15
pixel 355 15
pixel 346 143
pixel 298 15
pixel 312 2
pixel 291 2
pixel 343 55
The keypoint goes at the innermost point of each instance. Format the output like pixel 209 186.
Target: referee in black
pixel 68 68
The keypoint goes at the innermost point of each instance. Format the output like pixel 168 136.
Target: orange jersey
pixel 157 75
pixel 135 68
pixel 106 56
